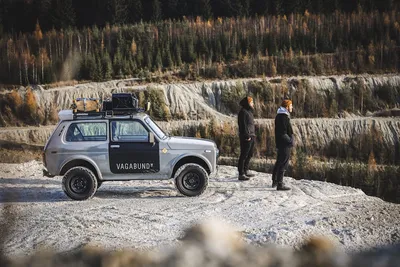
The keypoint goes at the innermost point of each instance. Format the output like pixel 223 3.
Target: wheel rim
pixel 79 185
pixel 191 181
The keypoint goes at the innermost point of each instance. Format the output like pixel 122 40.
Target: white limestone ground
pixel 152 214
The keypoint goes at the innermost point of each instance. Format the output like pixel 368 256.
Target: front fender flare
pixel 186 155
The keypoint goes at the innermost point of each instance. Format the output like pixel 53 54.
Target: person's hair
pixel 286 103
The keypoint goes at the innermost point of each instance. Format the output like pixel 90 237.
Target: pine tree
pixel 236 8
pixel 98 76
pixel 63 13
pixel 259 7
pixel 127 64
pixel 133 47
pixel 246 10
pixel 172 9
pixel 1 16
pixel 157 65
pixel 139 58
pixel 190 55
pixel 177 54
pixel 205 9
pixel 201 48
pixel 118 11
pixel 272 67
pixel 118 63
pixel 107 69
pixel 95 68
pixel 371 54
pixel 167 59
pixel 147 56
pixel 38 33
pixel 156 10
pixel 293 6
pixel 135 10
pixel 278 7
pixel 43 8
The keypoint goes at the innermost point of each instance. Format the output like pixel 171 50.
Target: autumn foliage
pixel 294 44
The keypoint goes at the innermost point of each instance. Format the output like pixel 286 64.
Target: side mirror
pixel 151 138
pixel 147 106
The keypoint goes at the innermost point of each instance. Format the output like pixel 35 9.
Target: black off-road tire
pixel 191 180
pixel 79 183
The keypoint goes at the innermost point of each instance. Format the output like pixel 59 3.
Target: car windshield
pixel 157 130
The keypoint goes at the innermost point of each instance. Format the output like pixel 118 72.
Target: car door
pixel 130 149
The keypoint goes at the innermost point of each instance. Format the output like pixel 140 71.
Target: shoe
pixel 282 187
pixel 249 174
pixel 243 177
pixel 274 184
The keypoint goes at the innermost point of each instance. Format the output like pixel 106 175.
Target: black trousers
pixel 281 164
pixel 246 152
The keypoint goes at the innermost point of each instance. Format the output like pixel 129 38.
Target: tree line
pixel 20 15
pixel 297 44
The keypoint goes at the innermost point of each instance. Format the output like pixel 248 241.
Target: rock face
pixel 332 83
pixel 27 135
pixel 197 102
pixel 321 134
pixel 200 100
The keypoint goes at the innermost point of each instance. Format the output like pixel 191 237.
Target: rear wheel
pixel 191 180
pixel 79 183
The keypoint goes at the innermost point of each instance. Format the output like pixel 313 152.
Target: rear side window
pixel 86 132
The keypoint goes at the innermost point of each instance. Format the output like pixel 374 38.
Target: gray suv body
pixel 88 150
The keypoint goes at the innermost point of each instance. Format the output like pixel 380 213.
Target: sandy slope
pixel 144 214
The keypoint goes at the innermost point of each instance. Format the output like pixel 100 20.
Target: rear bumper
pixel 47 174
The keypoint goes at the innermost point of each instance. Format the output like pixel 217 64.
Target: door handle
pixel 114 146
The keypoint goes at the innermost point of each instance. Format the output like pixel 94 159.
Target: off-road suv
pixel 88 149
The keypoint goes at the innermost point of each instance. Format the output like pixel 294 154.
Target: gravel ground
pixel 152 214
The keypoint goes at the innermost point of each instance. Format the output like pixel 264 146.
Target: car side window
pixel 86 131
pixel 129 131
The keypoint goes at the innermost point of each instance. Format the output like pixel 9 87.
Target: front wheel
pixel 79 183
pixel 191 180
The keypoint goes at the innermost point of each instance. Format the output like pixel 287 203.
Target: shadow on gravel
pixel 26 181
pixel 40 195
pixel 243 188
pixel 34 194
pixel 137 192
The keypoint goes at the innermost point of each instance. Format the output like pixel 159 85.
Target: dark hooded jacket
pixel 246 120
pixel 283 129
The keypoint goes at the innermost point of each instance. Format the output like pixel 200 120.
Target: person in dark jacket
pixel 284 143
pixel 247 136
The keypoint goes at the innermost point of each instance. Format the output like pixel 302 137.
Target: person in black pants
pixel 284 143
pixel 247 136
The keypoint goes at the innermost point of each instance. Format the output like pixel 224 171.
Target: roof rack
pixel 68 114
pixel 121 104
